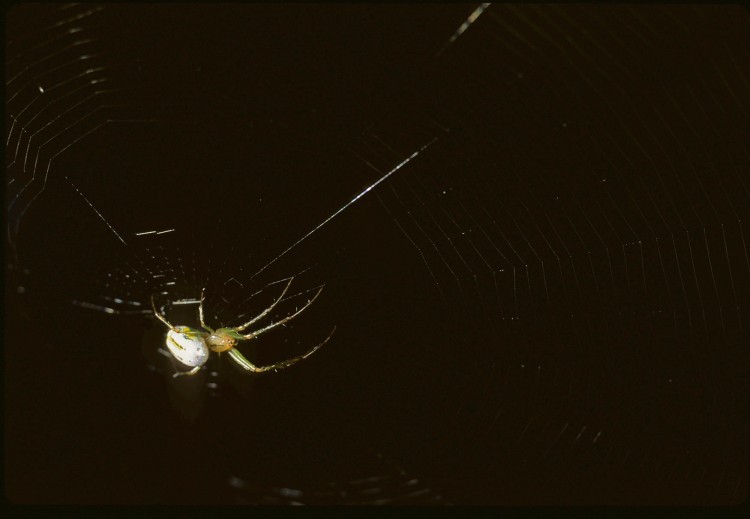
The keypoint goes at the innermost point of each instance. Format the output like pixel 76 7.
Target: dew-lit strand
pixel 419 250
pixel 96 211
pixel 43 59
pixel 63 22
pixel 442 231
pixel 41 110
pixel 107 309
pixel 18 219
pixel 471 19
pixel 353 200
pixel 401 228
pixel 88 84
pixel 47 41
pixel 36 162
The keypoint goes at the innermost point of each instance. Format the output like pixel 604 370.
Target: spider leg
pixel 265 312
pixel 159 316
pixel 240 359
pixel 282 321
pixel 200 311
pixel 186 373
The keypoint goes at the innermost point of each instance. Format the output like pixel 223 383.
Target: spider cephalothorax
pixel 191 346
pixel 222 339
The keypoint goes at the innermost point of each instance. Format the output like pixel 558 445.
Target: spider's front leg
pixel 240 359
pixel 281 321
pixel 200 312
pixel 159 315
pixel 267 310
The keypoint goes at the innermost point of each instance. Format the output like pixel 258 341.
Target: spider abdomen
pixel 188 346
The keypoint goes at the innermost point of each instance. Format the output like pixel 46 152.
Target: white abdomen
pixel 187 346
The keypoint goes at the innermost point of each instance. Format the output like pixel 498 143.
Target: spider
pixel 191 346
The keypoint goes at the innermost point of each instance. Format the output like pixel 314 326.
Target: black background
pixel 548 305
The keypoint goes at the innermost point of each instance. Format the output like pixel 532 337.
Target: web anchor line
pixel 96 211
pixel 342 208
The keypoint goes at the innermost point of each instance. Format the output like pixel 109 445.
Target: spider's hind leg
pixel 186 373
pixel 240 359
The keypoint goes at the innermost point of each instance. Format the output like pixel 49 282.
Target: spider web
pixel 550 295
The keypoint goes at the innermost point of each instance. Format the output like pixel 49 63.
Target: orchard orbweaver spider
pixel 191 346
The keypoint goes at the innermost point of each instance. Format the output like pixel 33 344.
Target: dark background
pixel 548 305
